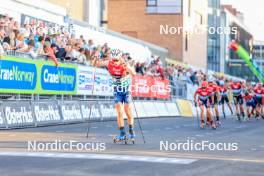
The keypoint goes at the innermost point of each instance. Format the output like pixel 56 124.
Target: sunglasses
pixel 115 60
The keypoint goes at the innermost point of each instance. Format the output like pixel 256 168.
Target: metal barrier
pixel 178 89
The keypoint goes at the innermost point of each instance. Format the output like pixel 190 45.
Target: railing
pixel 178 88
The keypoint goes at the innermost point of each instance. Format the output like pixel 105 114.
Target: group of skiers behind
pixel 211 93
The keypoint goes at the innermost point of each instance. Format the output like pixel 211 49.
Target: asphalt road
pixel 138 159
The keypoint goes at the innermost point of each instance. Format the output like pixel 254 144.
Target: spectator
pixel 81 57
pixel 40 45
pixel 139 68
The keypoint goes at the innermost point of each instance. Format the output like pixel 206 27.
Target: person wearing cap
pixel 237 89
pixel 204 93
pixel 120 72
pixel 214 102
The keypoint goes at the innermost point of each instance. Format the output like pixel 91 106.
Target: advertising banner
pixel 90 105
pixel 160 88
pixel 144 86
pixel 18 76
pixel 70 111
pixel 28 76
pixel 18 114
pixel 2 119
pixel 102 81
pixel 107 109
pixel 46 113
pixel 58 80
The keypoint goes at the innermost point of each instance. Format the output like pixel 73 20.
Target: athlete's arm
pixel 130 70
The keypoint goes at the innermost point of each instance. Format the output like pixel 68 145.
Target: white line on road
pixel 150 159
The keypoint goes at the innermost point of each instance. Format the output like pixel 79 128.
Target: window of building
pixel 151 2
pixel 256 47
pixel 164 6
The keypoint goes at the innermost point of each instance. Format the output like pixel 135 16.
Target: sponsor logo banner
pixel 61 79
pixel 46 113
pixel 144 86
pixel 2 119
pixel 93 106
pixel 101 81
pixel 18 114
pixel 17 75
pixel 107 109
pixel 71 112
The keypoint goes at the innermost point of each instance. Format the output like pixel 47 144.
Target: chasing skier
pixel 204 92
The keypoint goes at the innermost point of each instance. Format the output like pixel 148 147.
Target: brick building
pixel 149 20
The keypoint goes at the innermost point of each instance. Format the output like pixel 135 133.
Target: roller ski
pixel 120 138
pixel 131 138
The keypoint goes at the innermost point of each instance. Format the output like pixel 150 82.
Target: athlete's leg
pixel 217 114
pixel 230 108
pixel 202 115
pixel 130 118
pixel 209 112
pixel 119 111
pixel 120 119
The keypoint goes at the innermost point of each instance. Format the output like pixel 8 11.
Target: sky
pixel 253 13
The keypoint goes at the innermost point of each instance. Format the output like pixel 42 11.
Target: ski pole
pixel 139 124
pixel 90 111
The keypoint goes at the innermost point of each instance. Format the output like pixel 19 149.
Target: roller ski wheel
pixel 118 139
pixel 202 125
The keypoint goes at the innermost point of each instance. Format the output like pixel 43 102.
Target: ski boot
pixel 212 125
pixel 238 117
pixel 208 123
pixel 262 116
pixel 121 138
pixel 218 123
pixel 131 136
pixel 202 125
pixel 224 116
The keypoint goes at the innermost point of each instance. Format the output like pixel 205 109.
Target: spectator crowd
pixel 31 39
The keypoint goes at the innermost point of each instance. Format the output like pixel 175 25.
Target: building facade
pixel 91 11
pixel 233 20
pixel 214 61
pixel 169 24
pixel 258 50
